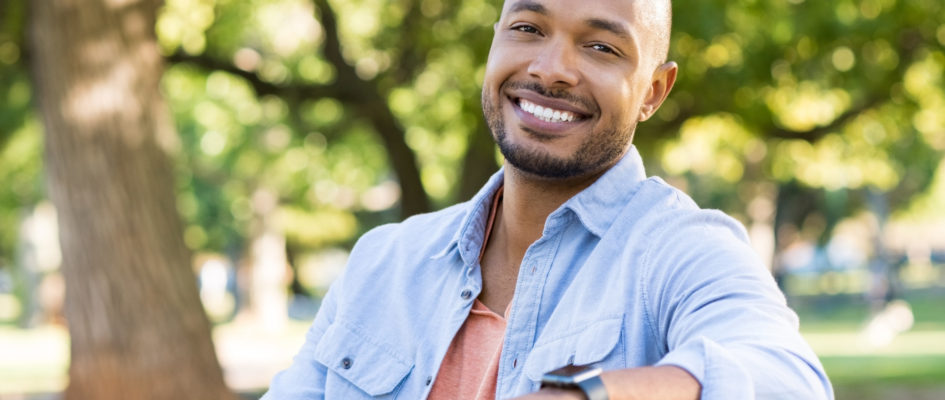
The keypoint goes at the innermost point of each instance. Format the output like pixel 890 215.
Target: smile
pixel 546 114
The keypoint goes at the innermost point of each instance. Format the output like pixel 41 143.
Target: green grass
pixel 914 369
pixel 910 367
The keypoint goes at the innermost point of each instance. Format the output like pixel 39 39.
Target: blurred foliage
pixel 21 185
pixel 338 106
pixel 839 96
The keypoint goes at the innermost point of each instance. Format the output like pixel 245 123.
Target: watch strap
pixel 585 378
pixel 593 388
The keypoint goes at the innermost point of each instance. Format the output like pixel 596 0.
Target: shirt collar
pixel 468 238
pixel 596 206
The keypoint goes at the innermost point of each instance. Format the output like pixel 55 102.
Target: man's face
pixel 565 83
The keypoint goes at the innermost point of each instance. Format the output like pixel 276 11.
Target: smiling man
pixel 570 275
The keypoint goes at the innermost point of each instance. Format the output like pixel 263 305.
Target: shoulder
pixel 401 250
pixel 680 237
pixel 420 234
pixel 396 255
pixel 669 212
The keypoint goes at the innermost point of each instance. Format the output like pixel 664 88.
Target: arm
pixel 724 326
pixel 723 318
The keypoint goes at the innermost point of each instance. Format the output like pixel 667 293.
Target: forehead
pixel 614 8
pixel 642 16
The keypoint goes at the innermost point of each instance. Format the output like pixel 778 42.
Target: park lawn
pixel 910 367
pixel 887 377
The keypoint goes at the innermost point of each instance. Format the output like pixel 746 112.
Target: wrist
pixel 582 379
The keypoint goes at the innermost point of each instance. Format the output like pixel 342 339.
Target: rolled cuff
pixel 721 375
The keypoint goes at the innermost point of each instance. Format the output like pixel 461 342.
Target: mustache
pixel 562 94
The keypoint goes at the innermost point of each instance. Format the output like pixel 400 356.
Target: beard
pixel 600 149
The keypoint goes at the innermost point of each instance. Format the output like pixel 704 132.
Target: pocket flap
pixel 588 345
pixel 365 362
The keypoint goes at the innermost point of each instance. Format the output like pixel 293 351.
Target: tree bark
pixel 137 327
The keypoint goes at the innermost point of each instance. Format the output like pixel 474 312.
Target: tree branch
pixel 909 42
pixel 261 86
pixel 372 104
pixel 815 134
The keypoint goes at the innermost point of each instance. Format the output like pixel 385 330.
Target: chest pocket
pixel 597 343
pixel 359 366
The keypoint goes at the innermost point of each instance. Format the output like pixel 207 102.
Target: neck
pixel 519 222
pixel 527 202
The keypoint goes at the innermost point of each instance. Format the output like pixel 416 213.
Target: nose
pixel 555 65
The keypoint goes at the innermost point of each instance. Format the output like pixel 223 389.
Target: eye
pixel 525 28
pixel 603 48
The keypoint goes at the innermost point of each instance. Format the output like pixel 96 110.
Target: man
pixel 568 257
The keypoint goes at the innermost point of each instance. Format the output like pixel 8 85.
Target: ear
pixel 663 79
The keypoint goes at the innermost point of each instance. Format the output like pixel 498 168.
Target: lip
pixel 541 129
pixel 558 104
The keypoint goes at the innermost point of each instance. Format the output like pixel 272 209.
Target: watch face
pixel 570 375
pixel 569 370
pixel 586 378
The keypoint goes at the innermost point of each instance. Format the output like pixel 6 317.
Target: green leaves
pixel 311 99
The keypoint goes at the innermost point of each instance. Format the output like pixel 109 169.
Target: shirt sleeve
pixel 723 318
pixel 305 378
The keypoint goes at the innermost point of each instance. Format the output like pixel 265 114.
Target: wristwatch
pixel 585 378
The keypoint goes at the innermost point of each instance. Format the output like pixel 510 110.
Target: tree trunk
pixel 137 327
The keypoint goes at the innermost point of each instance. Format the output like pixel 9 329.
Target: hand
pixel 553 394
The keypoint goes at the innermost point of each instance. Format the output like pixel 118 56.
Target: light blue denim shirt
pixel 629 272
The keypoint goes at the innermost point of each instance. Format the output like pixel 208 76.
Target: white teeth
pixel 546 114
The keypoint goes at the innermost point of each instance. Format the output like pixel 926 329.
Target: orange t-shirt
pixel 471 365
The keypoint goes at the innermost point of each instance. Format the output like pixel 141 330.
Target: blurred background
pixel 279 131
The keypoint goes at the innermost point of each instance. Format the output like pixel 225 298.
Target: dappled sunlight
pixel 183 23
pixel 108 96
pixel 831 163
pixel 290 26
pixel 805 105
pixel 713 145
pixel 725 50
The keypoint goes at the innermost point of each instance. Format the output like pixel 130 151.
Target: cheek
pixel 622 99
pixel 491 79
pixel 504 61
pixel 495 61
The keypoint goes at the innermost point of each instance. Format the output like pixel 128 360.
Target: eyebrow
pixel 609 26
pixel 527 5
pixel 596 23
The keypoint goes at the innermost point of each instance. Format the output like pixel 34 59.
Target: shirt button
pixel 429 380
pixel 514 363
pixel 466 294
pixel 346 363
